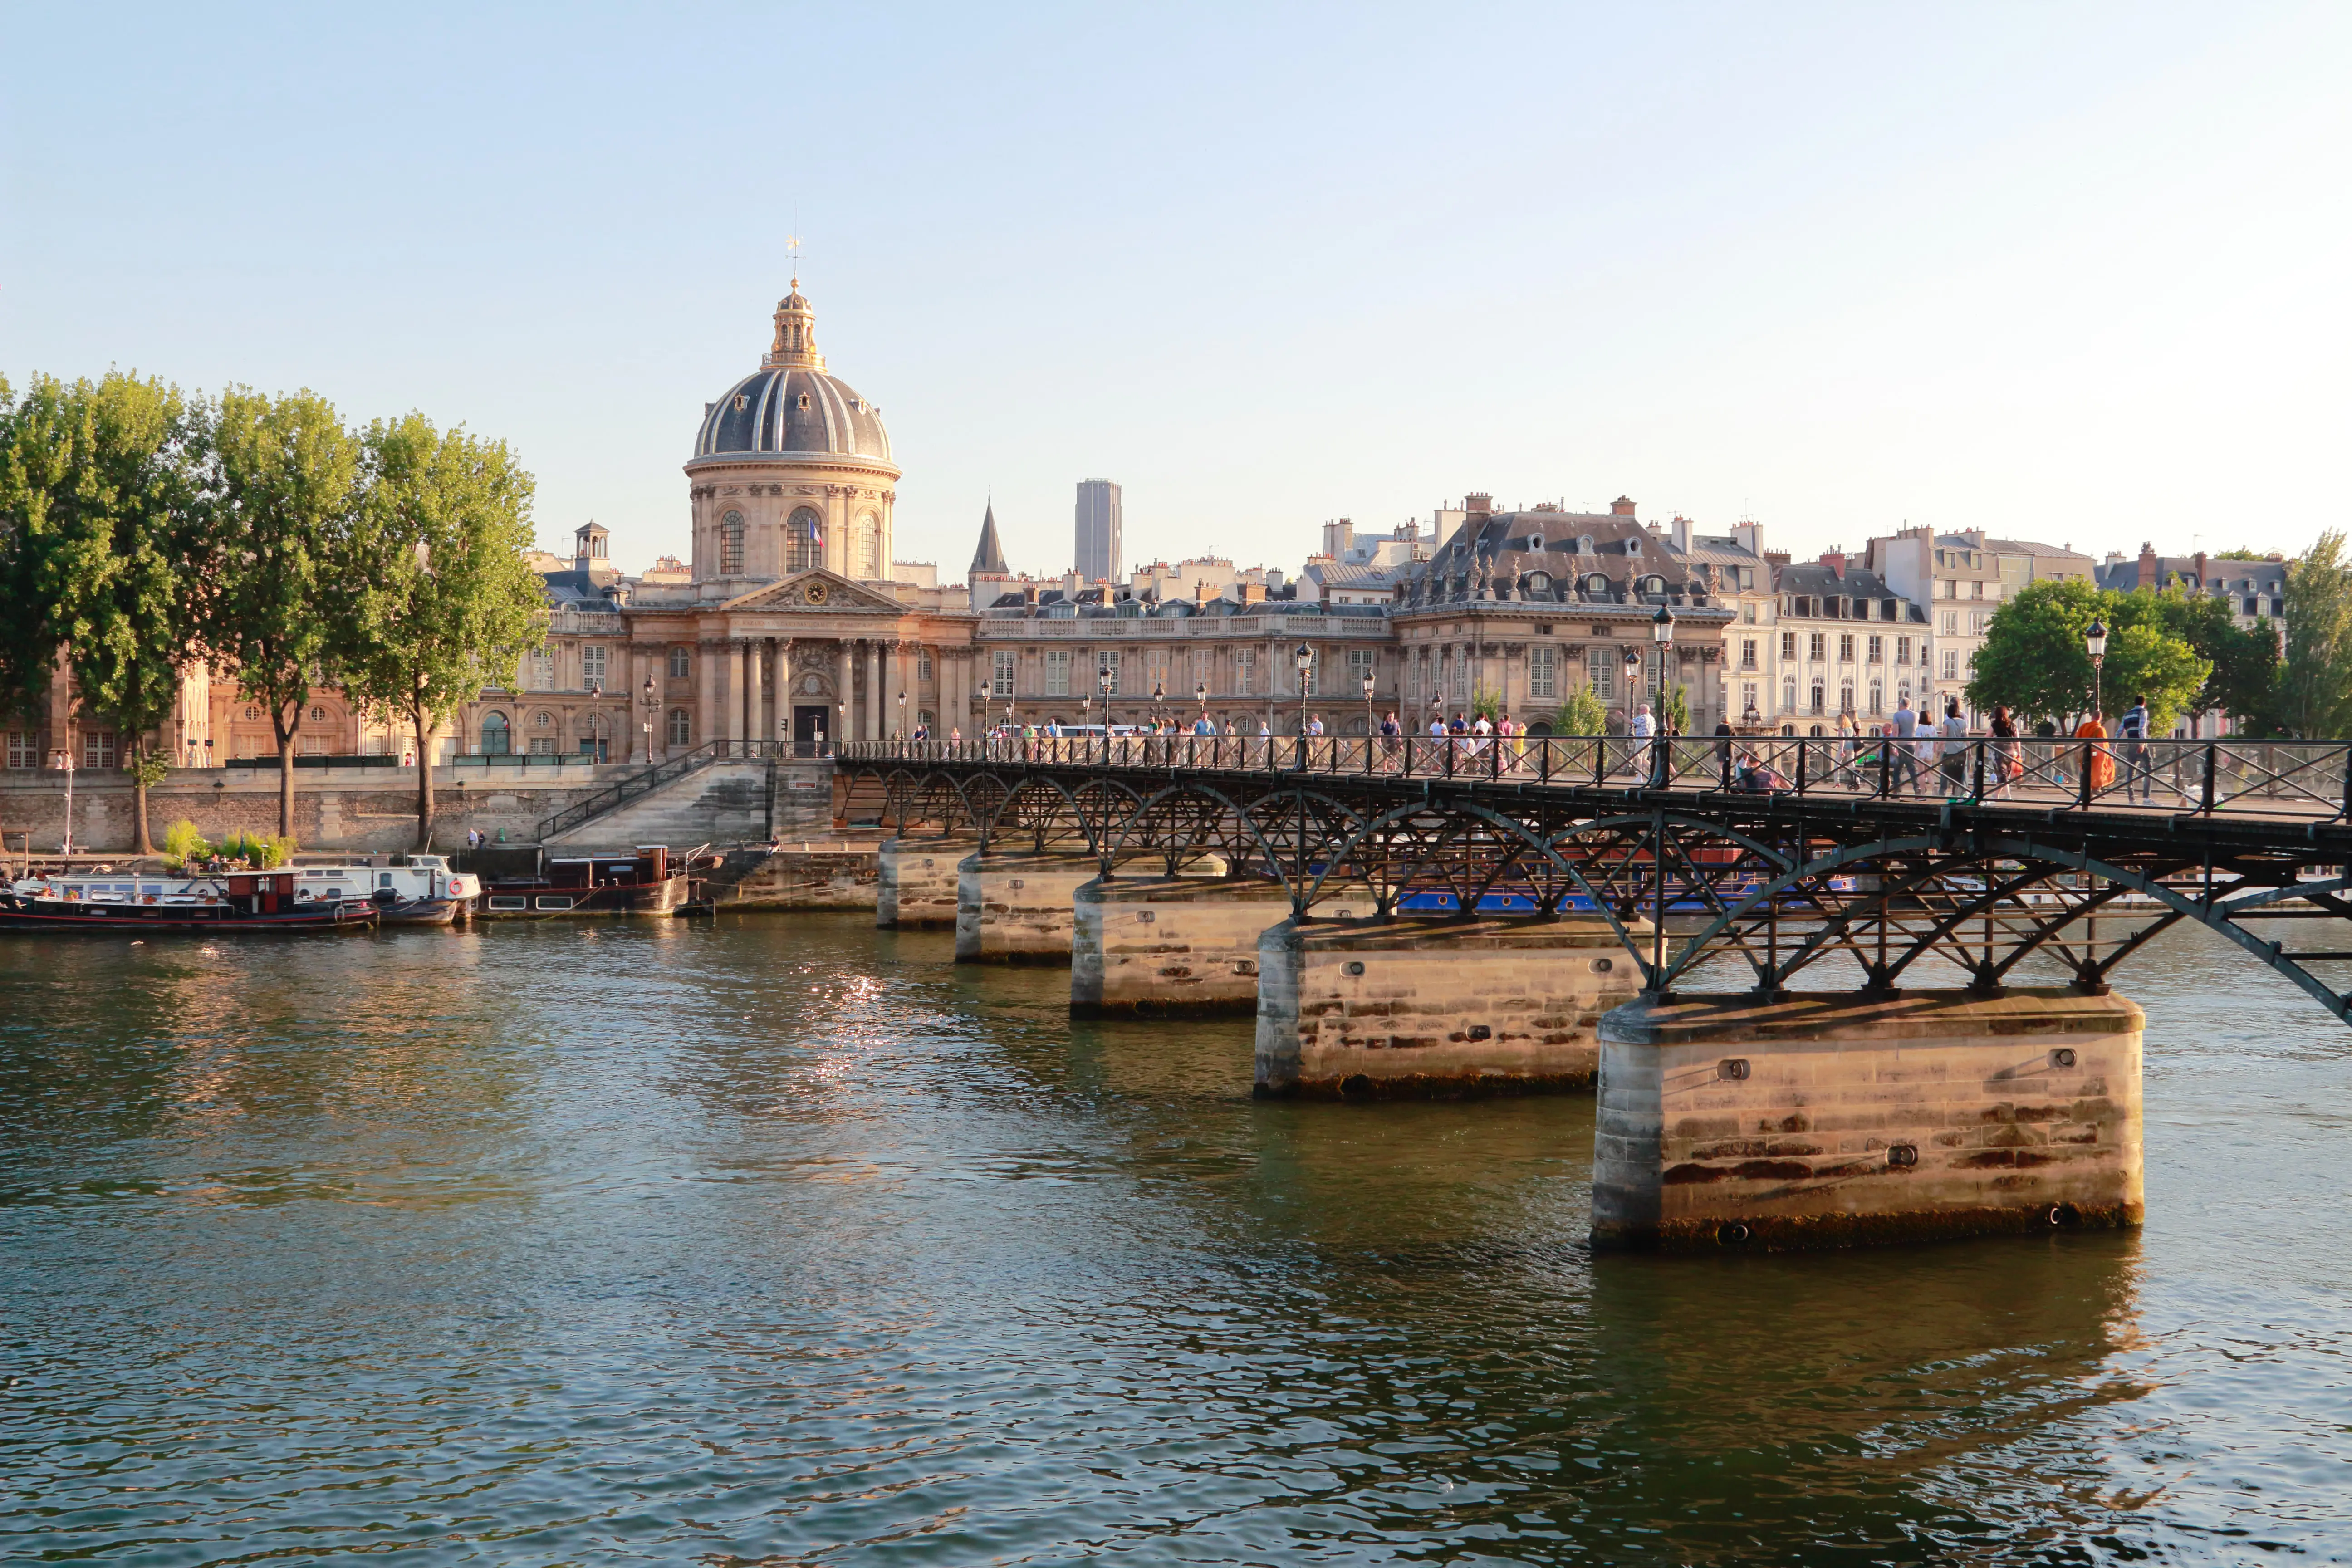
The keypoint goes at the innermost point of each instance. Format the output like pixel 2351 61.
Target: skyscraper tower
pixel 1101 553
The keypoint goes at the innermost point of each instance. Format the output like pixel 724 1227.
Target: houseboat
pixel 524 882
pixel 416 890
pixel 122 903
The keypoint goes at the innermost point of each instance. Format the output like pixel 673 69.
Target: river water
pixel 781 1241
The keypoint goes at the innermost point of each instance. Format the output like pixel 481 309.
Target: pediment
pixel 817 592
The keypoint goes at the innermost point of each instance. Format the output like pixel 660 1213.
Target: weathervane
pixel 793 246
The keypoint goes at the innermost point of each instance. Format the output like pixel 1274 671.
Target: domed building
pixel 792 468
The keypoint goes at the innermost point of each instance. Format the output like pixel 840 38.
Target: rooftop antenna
pixel 793 248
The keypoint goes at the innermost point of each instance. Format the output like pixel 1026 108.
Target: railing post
pixel 1801 766
pixel 1543 761
pixel 2210 747
pixel 1980 762
pixel 2088 745
pixel 1886 765
pixel 2347 784
pixel 1600 761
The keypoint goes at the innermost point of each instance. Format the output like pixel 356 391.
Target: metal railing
pixel 2307 780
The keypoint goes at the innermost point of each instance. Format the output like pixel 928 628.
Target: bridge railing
pixel 2309 779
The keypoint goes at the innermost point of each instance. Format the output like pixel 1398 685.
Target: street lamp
pixel 652 700
pixel 1304 657
pixel 902 713
pixel 1200 696
pixel 2095 640
pixel 840 724
pixel 1158 704
pixel 62 761
pixel 1371 728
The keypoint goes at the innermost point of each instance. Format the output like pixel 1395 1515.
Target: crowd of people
pixel 1918 753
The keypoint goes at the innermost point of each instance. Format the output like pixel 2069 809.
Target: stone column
pixel 847 725
pixel 897 719
pixel 875 696
pixel 755 659
pixel 734 691
pixel 783 731
pixel 706 725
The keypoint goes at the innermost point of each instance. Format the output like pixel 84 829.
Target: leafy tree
pixel 101 480
pixel 443 603
pixel 1486 703
pixel 1673 709
pixel 1580 713
pixel 2315 684
pixel 2244 659
pixel 2034 661
pixel 285 480
pixel 34 442
pixel 2241 555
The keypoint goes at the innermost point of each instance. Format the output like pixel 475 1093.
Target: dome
pixel 790 404
pixel 775 410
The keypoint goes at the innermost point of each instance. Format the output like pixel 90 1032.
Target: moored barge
pixel 121 903
pixel 524 882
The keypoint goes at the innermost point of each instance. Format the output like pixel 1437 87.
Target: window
pixel 542 745
pixel 1462 675
pixel 24 749
pixel 98 748
pixel 1887 612
pixel 1878 697
pixel 1876 649
pixel 681 727
pixel 1747 697
pixel 730 544
pixel 1951 663
pixel 1845 650
pixel 497 740
pixel 540 675
pixel 1845 699
pixel 1817 645
pixel 1747 613
pixel 1903 652
pixel 1601 670
pixel 1111 663
pixel 1976 590
pixel 804 541
pixel 318 715
pixel 1057 672
pixel 1817 697
pixel 1244 670
pixel 1204 667
pixel 923 665
pixel 1543 679
pixel 1002 685
pixel 2278 608
pixel 1788 694
pixel 1788 645
pixel 1360 665
pixel 869 547
pixel 592 663
pixel 1746 653
pixel 681 664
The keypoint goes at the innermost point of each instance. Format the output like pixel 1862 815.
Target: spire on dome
pixel 989 559
pixel 794 347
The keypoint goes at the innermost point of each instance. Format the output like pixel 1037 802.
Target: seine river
pixel 784 1241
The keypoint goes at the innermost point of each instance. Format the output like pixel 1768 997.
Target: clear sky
pixel 2068 271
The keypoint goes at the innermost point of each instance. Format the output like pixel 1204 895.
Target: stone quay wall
pixel 1826 1119
pixel 1017 908
pixel 1435 1007
pixel 366 810
pixel 919 881
pixel 813 875
pixel 1170 946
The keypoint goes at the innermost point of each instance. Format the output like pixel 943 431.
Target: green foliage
pixel 277 850
pixel 2315 689
pixel 1673 709
pixel 286 481
pixel 1486 704
pixel 2244 674
pixel 2033 658
pixel 442 601
pixel 1580 713
pixel 183 842
pixel 2241 555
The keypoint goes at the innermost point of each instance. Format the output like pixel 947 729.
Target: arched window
pixel 1845 699
pixel 681 727
pixel 869 535
pixel 1877 698
pixel 730 544
pixel 1595 583
pixel 1654 584
pixel 1584 544
pixel 681 664
pixel 497 739
pixel 1817 697
pixel 1539 582
pixel 1788 694
pixel 804 541
pixel 1535 542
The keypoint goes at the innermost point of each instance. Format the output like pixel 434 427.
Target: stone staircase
pixel 724 801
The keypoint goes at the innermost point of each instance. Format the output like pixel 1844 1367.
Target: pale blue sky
pixel 2075 272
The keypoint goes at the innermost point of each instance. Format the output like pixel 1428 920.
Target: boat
pixel 122 903
pixel 414 889
pixel 524 882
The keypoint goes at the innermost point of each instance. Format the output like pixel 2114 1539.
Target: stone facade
pixel 1170 946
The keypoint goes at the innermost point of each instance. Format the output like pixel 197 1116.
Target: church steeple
pixel 989 559
pixel 795 344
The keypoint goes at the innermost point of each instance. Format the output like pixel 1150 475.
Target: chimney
pixel 1622 507
pixel 1682 532
pixel 1748 536
pixel 1478 503
pixel 1775 559
pixel 1338 536
pixel 2148 572
pixel 1835 560
pixel 2200 569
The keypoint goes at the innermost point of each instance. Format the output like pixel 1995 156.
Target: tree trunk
pixel 284 772
pixel 423 782
pixel 139 799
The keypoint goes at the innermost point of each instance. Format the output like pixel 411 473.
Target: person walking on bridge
pixel 2140 761
pixel 1905 776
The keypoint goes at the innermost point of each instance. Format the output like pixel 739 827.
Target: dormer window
pixel 1535 542
pixel 1584 544
pixel 1632 547
pixel 1596 583
pixel 1539 582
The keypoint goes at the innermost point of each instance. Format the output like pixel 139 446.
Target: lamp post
pixel 1200 696
pixel 1662 634
pixel 1371 727
pixel 902 716
pixel 2095 641
pixel 1304 657
pixel 651 700
pixel 1158 704
pixel 840 724
pixel 62 761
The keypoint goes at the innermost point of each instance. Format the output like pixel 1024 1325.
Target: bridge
pixel 1830 991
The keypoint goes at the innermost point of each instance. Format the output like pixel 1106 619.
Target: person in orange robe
pixel 2103 762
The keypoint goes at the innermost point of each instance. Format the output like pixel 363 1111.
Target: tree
pixel 2244 659
pixel 444 602
pixel 1673 709
pixel 1580 713
pixel 122 597
pixel 32 443
pixel 283 482
pixel 2316 683
pixel 2033 659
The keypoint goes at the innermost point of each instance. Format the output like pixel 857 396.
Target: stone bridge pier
pixel 1022 907
pixel 1437 1005
pixel 918 887
pixel 1184 946
pixel 1830 1120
